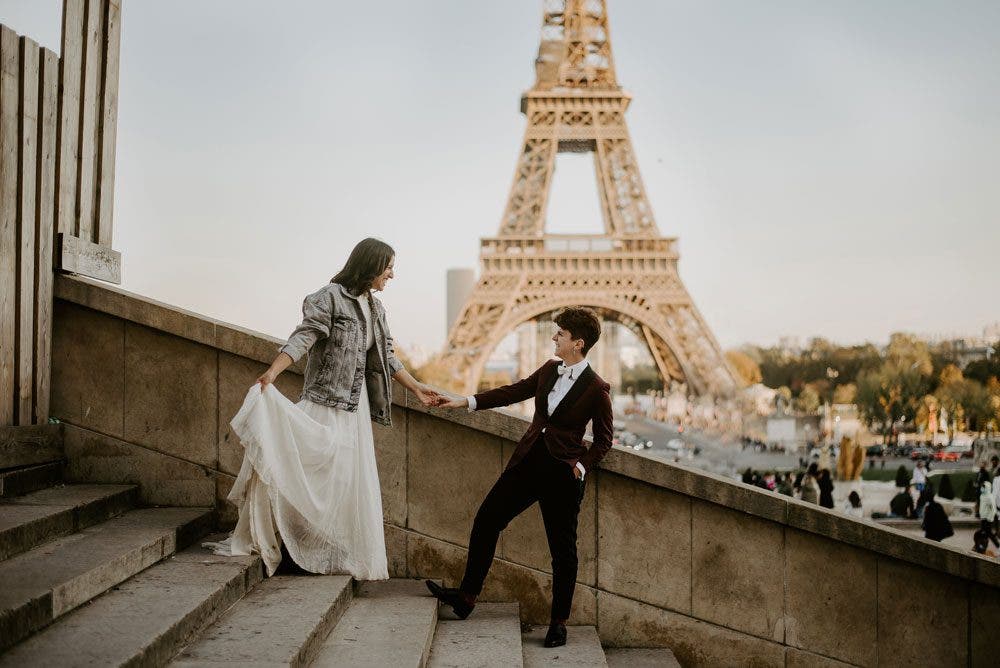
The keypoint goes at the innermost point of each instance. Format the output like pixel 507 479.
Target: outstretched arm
pixel 500 396
pixel 510 394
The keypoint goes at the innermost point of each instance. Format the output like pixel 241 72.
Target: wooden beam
pixel 109 124
pixel 70 75
pixel 26 184
pixel 48 112
pixel 90 95
pixel 89 259
pixel 8 220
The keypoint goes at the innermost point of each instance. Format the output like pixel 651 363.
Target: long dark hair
pixel 367 261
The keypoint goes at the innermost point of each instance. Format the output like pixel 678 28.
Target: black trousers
pixel 552 483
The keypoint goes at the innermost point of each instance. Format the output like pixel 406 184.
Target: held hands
pixel 428 396
pixel 433 398
pixel 460 402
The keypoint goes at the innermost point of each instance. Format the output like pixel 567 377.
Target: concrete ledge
pixel 164 317
pixel 692 482
pixel 678 552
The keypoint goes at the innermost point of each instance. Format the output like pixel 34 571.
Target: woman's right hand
pixel 266 379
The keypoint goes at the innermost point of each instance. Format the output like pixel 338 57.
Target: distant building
pixel 460 285
pixel 966 349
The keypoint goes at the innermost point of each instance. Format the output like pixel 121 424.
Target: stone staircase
pixel 90 578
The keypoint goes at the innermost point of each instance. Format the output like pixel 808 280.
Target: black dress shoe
pixel 556 637
pixel 450 597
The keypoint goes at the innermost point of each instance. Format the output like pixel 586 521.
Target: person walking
pixel 919 476
pixel 825 483
pixel 987 511
pixel 809 488
pixel 936 524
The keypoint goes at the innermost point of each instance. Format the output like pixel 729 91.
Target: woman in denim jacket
pixel 309 483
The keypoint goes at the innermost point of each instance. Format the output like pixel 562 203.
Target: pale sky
pixel 830 168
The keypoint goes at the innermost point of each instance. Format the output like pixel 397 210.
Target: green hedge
pixel 962 482
pixel 887 474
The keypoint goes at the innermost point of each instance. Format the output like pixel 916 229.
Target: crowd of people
pixel 915 501
pixel 814 485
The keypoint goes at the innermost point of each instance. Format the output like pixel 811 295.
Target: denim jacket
pixel 333 332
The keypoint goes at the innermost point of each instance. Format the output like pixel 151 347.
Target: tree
pixel 808 400
pixel 927 413
pixel 983 370
pixel 993 389
pixel 967 400
pixel 893 392
pixel 845 394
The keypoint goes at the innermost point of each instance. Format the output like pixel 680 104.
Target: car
pixel 946 456
pixel 874 451
pixel 920 452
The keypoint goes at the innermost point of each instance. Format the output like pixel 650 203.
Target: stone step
pixel 582 649
pixel 14 482
pixel 640 658
pixel 389 623
pixel 146 619
pixel 27 446
pixel 45 583
pixel 32 519
pixel 282 622
pixel 491 636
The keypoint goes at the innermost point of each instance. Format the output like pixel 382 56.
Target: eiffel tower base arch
pixel 668 348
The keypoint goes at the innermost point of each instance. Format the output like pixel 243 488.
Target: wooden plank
pixel 68 141
pixel 48 119
pixel 26 182
pixel 109 124
pixel 8 220
pixel 89 259
pixel 90 95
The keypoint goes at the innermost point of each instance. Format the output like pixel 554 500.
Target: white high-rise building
pixel 459 285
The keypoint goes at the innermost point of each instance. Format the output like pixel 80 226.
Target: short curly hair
pixel 581 323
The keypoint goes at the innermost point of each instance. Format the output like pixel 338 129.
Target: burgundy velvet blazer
pixel 588 399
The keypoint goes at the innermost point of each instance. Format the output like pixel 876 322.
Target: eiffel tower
pixel 629 273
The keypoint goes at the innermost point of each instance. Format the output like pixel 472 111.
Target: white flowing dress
pixel 309 479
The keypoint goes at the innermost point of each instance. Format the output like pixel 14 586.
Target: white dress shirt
pixel 564 381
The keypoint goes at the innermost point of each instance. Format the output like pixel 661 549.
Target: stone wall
pixel 723 573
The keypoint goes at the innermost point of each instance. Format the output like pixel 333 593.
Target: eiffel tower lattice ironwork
pixel 628 274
